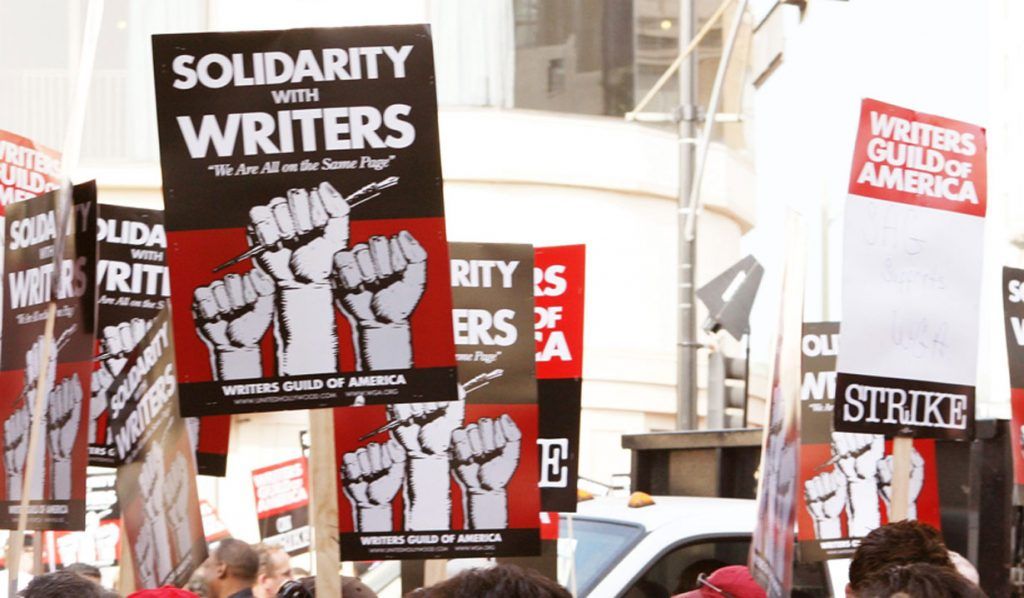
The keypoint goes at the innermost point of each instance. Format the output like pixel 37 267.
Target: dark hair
pixel 61 584
pixel 920 580
pixel 900 543
pixel 501 581
pixel 241 560
pixel 84 569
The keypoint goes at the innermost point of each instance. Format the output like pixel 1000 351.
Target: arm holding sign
pixel 302 233
pixel 426 435
pixel 857 458
pixel 379 285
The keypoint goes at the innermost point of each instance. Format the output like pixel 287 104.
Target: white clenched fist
pixel 64 412
pixel 426 429
pixel 858 454
pixel 913 490
pixel 381 282
pixel 486 453
pixel 236 312
pixel 826 499
pixel 33 366
pixel 301 233
pixel 373 475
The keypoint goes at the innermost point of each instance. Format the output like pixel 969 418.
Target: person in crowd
pixel 919 580
pixel 501 581
pixel 733 581
pixel 351 587
pixel 230 571
pixel 61 584
pixel 899 543
pixel 86 570
pixel 275 569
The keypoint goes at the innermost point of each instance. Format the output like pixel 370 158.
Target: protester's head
pixel 231 568
pixel 86 570
pixel 501 581
pixel 919 580
pixel 734 580
pixel 275 569
pixel 61 584
pixel 351 587
pixel 900 543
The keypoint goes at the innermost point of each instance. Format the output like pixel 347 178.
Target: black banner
pixel 302 183
pixel 896 407
pixel 57 490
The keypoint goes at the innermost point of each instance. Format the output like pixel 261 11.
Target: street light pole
pixel 686 334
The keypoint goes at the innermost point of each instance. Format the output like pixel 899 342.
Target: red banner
pixel 27 169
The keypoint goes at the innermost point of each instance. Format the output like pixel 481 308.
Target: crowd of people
pixel 899 560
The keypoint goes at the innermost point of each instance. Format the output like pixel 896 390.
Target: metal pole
pixel 686 350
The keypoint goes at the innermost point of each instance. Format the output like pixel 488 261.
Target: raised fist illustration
pixel 176 503
pixel 117 344
pixel 379 284
pixel 16 430
pixel 371 477
pixel 913 491
pixel 64 412
pixel 301 233
pixel 33 366
pixel 232 316
pixel 825 494
pixel 485 455
pixel 426 429
pixel 145 557
pixel 857 457
pixel 151 483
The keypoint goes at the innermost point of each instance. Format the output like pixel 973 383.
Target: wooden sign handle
pixel 902 446
pixel 323 503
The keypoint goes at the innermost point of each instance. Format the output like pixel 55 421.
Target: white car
pixel 655 551
pixel 658 550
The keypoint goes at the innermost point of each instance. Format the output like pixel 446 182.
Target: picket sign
pixel 902 446
pixel 69 155
pixel 323 503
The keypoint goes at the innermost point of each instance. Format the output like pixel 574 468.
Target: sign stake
pixel 902 446
pixel 323 503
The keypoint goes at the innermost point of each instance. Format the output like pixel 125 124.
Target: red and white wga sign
pixel 914 220
pixel 282 504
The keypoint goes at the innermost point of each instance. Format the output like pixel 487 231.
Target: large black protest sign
pixel 133 286
pixel 454 479
pixel 302 183
pixel 57 489
pixel 1013 314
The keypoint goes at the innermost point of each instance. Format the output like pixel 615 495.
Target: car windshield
pixel 596 545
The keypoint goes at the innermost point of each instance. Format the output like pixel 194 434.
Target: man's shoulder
pixel 246 593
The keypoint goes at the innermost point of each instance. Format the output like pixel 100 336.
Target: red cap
pixel 735 579
pixel 164 592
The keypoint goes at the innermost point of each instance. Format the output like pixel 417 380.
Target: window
pixel 598 545
pixel 676 571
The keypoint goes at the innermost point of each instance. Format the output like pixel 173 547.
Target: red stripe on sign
pixel 920 159
pixel 558 280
